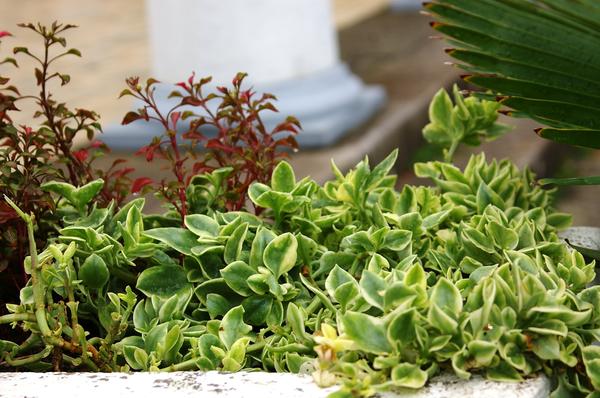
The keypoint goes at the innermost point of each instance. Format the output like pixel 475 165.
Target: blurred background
pixel 358 74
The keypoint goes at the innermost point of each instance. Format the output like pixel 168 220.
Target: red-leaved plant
pixel 32 155
pixel 239 138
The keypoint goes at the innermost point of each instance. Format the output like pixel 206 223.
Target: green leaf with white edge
pixel 205 342
pixel 346 293
pixel 399 295
pixel 179 239
pixel 283 178
pixel 94 273
pixel 336 278
pixel 233 327
pixel 383 168
pixel 546 347
pixel 163 281
pixel 262 238
pixel 591 360
pixel 440 108
pixel 522 261
pixel 441 320
pixel 408 375
pixel 398 239
pixel 482 351
pixel 201 225
pixel 280 254
pixel 236 276
pixel 236 356
pixel 570 317
pixel 233 247
pixel 372 288
pixel 377 263
pixel 486 196
pixel 416 276
pixel 79 197
pixel 367 332
pixel 478 239
pixel 295 318
pixel 121 215
pixel 447 297
pixel 256 190
pixel 275 315
pixel 505 238
pixel 217 305
pixel 257 309
pixel 401 330
pixel 550 327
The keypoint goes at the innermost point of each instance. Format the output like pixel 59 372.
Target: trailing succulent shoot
pixel 353 282
pixel 469 121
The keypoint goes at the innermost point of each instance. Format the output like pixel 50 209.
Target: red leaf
pixel 174 118
pixel 140 183
pixel 193 135
pixel 131 117
pixel 122 172
pixel 7 213
pixel 97 144
pixel 189 100
pixel 4 34
pixel 81 155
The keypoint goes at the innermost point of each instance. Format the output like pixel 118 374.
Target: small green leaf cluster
pixel 352 281
pixel 469 121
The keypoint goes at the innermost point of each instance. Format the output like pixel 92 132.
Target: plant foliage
pixel 32 155
pixel 352 281
pixel 240 140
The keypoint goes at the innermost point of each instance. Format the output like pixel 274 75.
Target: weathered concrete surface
pixel 237 385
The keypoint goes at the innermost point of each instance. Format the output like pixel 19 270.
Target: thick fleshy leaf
pixel 163 281
pixel 233 247
pixel 447 297
pixel 233 326
pixel 259 244
pixel 283 178
pixel 201 225
pixel 179 239
pixel 367 332
pixel 94 272
pixel 236 276
pixel 280 254
pixel 372 288
pixel 408 375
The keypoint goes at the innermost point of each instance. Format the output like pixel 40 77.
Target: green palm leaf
pixel 541 59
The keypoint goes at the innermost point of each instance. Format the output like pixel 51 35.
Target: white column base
pixel 328 104
pixel 404 5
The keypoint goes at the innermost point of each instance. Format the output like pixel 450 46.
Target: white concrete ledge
pixel 238 385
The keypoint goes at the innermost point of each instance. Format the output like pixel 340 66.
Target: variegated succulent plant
pixel 355 282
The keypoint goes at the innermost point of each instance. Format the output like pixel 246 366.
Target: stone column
pixel 401 5
pixel 288 47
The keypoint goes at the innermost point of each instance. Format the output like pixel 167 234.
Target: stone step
pixel 241 385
